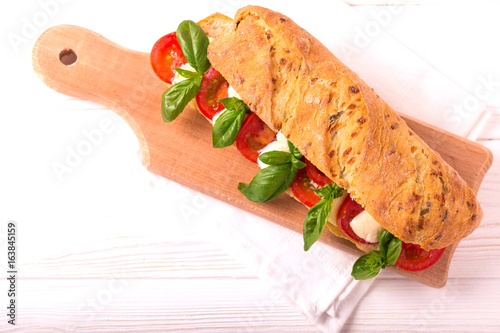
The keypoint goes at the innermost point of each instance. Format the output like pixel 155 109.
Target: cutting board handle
pixel 81 63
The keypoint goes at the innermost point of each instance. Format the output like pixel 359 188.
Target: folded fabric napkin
pixel 318 281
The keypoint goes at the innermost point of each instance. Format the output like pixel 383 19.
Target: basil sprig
pixel 275 157
pixel 228 124
pixel 194 43
pixel 318 215
pixel 178 96
pixel 369 265
pixel 276 178
pixel 187 74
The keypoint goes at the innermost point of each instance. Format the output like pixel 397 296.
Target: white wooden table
pixel 90 260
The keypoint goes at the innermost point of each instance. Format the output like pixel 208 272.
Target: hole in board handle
pixel 68 57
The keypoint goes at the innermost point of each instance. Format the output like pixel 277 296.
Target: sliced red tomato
pixel 317 176
pixel 303 189
pixel 413 258
pixel 165 56
pixel 347 212
pixel 213 88
pixel 253 136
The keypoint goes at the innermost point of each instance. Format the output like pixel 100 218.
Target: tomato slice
pixel 317 176
pixel 303 189
pixel 165 56
pixel 348 211
pixel 413 258
pixel 253 136
pixel 213 88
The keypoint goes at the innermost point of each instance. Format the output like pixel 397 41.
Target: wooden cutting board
pixel 81 63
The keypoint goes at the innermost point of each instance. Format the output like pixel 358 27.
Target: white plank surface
pixel 104 267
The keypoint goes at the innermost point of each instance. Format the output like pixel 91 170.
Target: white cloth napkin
pixel 318 281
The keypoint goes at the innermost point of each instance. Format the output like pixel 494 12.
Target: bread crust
pixel 216 24
pixel 296 85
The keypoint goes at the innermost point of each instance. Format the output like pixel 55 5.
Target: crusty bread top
pixel 296 85
pixel 216 24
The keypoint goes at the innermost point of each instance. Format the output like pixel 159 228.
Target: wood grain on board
pixel 103 72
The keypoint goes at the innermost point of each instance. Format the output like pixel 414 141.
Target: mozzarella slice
pixel 365 226
pixel 232 93
pixel 336 207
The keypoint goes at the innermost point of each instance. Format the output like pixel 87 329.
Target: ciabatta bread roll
pixel 296 85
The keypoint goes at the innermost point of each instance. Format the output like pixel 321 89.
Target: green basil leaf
pixel 330 191
pixel 367 266
pixel 187 74
pixel 318 215
pixel 226 128
pixel 175 99
pixel 315 222
pixel 294 151
pixel 324 191
pixel 384 238
pixel 275 157
pixel 337 191
pixel 233 103
pixel 393 251
pixel 194 45
pixel 228 124
pixel 297 164
pixel 269 183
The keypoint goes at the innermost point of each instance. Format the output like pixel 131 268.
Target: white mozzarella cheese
pixel 365 226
